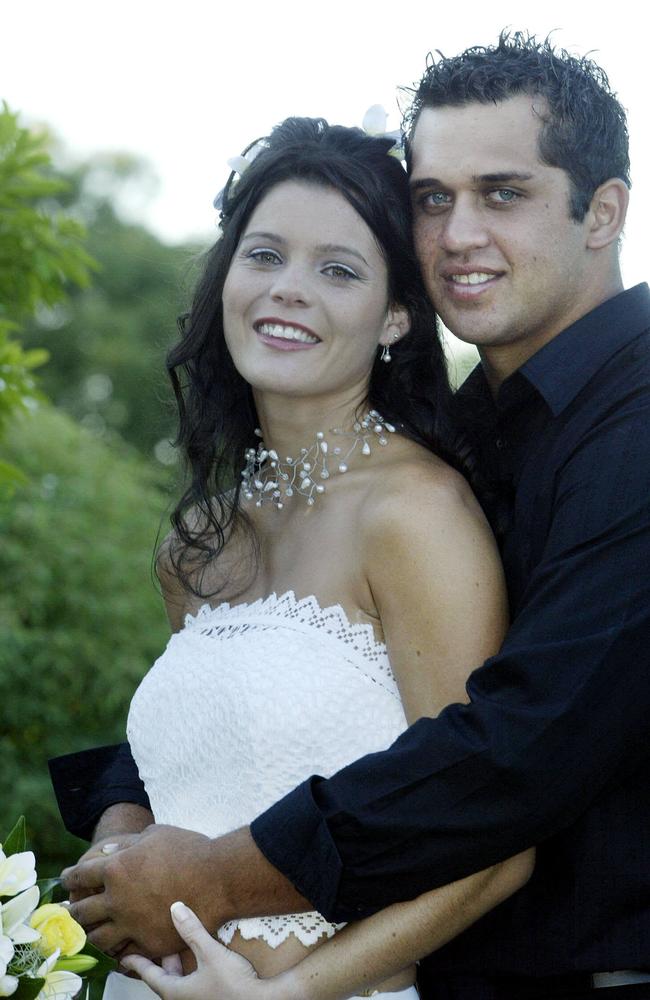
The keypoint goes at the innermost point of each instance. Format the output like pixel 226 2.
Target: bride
pixel 330 577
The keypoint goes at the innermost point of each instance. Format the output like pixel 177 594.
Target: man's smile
pixel 465 284
pixel 473 278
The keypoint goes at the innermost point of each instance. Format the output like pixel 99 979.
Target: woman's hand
pixel 220 974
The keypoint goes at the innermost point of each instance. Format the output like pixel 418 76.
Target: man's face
pixel 503 262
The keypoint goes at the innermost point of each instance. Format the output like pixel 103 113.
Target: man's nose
pixel 464 229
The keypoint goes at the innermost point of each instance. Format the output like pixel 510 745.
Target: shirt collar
pixel 560 369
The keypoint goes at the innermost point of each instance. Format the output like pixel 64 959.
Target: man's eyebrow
pixel 502 177
pixel 426 182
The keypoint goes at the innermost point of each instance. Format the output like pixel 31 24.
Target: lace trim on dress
pixel 301 615
pixel 274 931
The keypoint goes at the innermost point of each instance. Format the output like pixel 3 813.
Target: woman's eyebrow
pixel 340 248
pixel 264 236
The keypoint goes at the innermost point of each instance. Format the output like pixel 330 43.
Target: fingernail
pixel 109 848
pixel 179 911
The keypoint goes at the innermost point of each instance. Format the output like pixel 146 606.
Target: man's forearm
pixel 124 817
pixel 249 885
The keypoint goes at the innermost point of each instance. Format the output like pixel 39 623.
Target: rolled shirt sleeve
pixel 88 782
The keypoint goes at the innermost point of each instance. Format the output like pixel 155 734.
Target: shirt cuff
pixel 294 837
pixel 88 782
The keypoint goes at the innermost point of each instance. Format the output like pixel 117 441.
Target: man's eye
pixel 435 199
pixel 503 196
pixel 339 271
pixel 263 255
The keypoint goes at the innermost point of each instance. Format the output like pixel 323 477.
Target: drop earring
pixel 385 354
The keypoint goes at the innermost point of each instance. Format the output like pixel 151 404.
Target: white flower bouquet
pixel 44 954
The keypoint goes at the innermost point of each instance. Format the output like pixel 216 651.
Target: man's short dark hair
pixel 585 131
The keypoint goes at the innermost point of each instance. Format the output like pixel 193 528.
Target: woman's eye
pixel 264 256
pixel 339 271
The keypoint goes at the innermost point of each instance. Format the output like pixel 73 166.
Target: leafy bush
pixel 80 617
pixel 41 254
pixel 107 345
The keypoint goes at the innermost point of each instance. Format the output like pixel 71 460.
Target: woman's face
pixel 305 302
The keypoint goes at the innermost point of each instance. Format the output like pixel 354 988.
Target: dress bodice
pixel 247 701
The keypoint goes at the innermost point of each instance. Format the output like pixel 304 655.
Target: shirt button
pixel 501 443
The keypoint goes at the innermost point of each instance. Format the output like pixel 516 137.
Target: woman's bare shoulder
pixel 417 489
pixel 177 598
pixel 178 586
pixel 219 574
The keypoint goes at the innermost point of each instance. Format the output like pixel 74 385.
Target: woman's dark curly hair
pixel 215 404
pixel 585 132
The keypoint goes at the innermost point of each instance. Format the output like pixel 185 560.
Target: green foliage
pixel 41 254
pixel 17 388
pixel 50 889
pixel 80 618
pixel 107 346
pixel 40 247
pixel 28 989
pixel 16 840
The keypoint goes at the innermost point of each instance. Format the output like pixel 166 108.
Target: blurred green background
pixel 87 471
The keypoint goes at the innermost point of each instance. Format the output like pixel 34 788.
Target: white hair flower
pixel 374 120
pixel 374 123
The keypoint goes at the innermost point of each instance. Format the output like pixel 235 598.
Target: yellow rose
pixel 58 930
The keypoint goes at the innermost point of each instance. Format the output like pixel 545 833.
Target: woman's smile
pixel 285 336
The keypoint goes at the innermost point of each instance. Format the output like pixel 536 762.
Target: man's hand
pixel 100 849
pixel 119 826
pixel 128 892
pixel 133 889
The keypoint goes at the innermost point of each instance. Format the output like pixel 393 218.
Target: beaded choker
pixel 266 477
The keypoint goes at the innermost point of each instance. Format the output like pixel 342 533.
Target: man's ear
pixel 396 325
pixel 607 213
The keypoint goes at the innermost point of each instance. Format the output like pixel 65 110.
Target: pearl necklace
pixel 266 477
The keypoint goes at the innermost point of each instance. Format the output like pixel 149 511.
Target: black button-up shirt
pixel 553 749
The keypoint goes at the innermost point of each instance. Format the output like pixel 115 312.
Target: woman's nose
pixel 290 286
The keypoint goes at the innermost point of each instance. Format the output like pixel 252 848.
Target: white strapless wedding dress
pixel 246 702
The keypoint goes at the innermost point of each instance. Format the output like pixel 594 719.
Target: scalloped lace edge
pixel 304 608
pixel 308 928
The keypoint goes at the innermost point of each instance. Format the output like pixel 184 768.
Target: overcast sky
pixel 187 84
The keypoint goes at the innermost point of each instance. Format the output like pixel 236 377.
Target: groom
pixel 520 174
